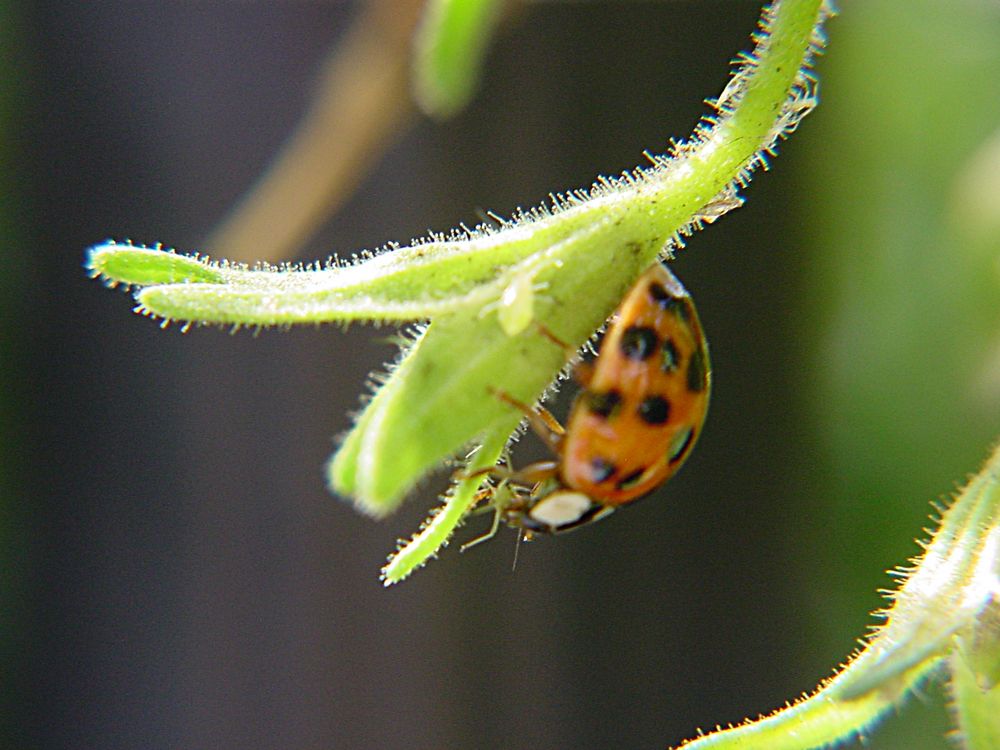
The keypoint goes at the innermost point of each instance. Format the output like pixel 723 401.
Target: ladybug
pixel 631 427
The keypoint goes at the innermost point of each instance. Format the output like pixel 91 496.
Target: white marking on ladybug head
pixel 560 508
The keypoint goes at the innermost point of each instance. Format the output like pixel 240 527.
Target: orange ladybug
pixel 642 407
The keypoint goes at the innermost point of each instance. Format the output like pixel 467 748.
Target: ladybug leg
pixel 526 476
pixel 534 473
pixel 582 370
pixel 501 472
pixel 541 420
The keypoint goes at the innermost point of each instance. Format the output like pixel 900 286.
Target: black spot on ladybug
pixel 601 470
pixel 677 306
pixel 654 410
pixel 680 445
pixel 697 374
pixel 603 404
pixel 631 480
pixel 639 342
pixel 659 294
pixel 671 358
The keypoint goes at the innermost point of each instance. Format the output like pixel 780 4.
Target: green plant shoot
pixel 477 287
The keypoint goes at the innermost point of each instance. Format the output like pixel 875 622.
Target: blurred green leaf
pixel 448 53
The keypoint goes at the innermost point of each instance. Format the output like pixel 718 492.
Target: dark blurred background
pixel 175 573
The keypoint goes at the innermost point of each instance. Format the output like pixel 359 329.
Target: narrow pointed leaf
pixel 438 528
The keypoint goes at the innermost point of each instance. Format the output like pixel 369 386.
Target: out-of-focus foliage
pixel 902 222
pixel 449 50
pixel 946 605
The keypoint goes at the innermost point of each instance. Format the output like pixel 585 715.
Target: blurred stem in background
pixel 351 121
pixel 903 214
pixel 363 103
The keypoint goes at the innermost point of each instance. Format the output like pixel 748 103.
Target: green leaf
pixel 127 264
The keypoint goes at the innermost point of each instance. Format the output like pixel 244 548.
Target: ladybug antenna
pixel 517 548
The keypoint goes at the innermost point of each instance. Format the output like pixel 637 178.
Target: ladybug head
pixel 556 512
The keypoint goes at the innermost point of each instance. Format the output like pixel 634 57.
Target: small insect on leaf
pixel 517 305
